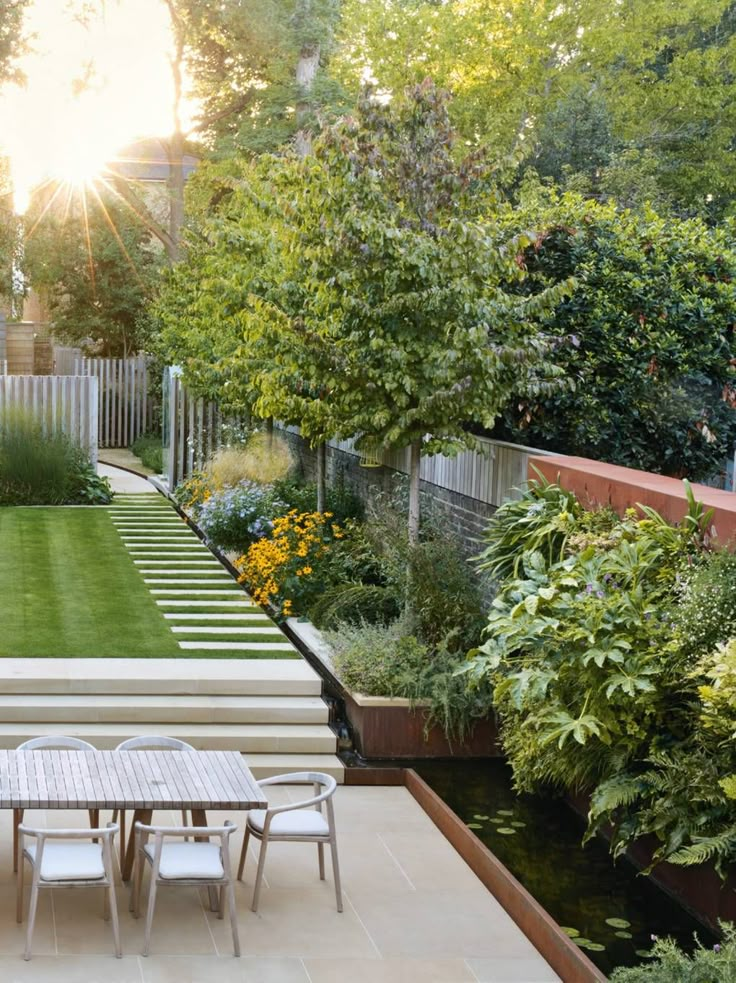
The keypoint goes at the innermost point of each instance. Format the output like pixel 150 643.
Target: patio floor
pixel 413 912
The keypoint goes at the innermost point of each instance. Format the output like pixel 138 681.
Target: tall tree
pixel 96 268
pixel 365 288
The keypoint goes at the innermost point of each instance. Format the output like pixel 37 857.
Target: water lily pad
pixel 505 812
pixel 572 932
pixel 498 822
pixel 480 817
pixel 618 923
pixel 474 825
pixel 582 942
pixel 623 935
pixel 506 830
pixel 644 953
pixel 517 823
pixel 595 947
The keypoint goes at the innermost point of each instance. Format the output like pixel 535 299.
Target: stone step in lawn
pixel 162 710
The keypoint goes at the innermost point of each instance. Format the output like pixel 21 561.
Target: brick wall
pixel 463 518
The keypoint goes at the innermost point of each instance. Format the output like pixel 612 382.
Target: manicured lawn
pixel 69 588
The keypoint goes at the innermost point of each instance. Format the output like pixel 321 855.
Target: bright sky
pixel 47 130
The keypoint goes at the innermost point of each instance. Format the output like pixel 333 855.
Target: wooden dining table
pixel 137 781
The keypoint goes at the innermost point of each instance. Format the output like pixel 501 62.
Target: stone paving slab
pixel 414 913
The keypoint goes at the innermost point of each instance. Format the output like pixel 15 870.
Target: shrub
pixel 194 492
pixel 705 613
pixel 669 964
pixel 388 660
pixel 283 569
pixel 340 499
pixel 149 448
pixel 37 468
pixel 235 517
pixel 263 458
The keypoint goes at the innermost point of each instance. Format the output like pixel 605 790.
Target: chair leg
pixel 19 892
pixel 221 908
pixel 243 853
pixel 113 905
pixel 149 916
pixel 135 894
pixel 106 905
pixel 31 915
pixel 259 874
pixel 17 820
pixel 233 916
pixel 321 853
pixel 123 844
pixel 336 871
pixel 184 822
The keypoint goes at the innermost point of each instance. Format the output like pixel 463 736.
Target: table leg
pixel 199 818
pixel 139 816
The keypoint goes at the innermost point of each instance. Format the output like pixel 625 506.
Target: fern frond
pixel 703 849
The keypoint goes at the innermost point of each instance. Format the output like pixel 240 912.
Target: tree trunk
pixel 414 465
pixel 321 477
pixel 269 431
pixel 175 149
pixel 306 71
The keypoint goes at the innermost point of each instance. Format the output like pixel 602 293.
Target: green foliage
pixel 539 521
pixel 668 964
pixel 645 337
pixel 38 468
pixel 96 268
pixel 233 518
pixel 340 500
pixel 148 447
pixel 705 613
pixel 388 660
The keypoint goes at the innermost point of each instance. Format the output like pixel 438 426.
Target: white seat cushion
pixel 70 861
pixel 189 861
pixel 297 822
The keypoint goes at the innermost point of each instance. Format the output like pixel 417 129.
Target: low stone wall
pixel 597 483
pixel 464 518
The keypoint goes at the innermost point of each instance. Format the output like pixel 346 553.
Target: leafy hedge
pixel 598 679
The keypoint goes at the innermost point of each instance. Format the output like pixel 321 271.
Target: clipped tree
pixel 367 289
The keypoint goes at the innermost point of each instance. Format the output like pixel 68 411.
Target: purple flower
pixel 589 588
pixel 654 938
pixel 716 948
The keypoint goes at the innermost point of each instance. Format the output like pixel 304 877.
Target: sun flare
pixel 92 90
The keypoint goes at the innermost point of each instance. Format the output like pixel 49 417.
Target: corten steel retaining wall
pixel 596 483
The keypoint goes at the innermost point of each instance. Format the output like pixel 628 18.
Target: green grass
pixel 70 589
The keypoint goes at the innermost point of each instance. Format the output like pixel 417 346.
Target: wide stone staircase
pixel 269 709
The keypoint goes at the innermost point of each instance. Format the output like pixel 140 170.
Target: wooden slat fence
pixel 63 404
pixel 191 431
pixel 124 408
pixel 64 359
pixel 3 366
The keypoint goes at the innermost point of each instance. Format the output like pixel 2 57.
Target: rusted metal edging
pixel 568 960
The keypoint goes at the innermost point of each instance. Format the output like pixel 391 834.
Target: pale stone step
pixel 268 765
pixel 198 592
pixel 219 630
pixel 204 646
pixel 177 571
pixel 253 738
pixel 244 602
pixel 238 646
pixel 197 579
pixel 225 616
pixel 188 676
pixel 176 563
pixel 169 549
pixel 159 711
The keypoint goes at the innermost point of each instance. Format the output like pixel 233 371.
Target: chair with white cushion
pixel 149 742
pixel 297 822
pixel 51 742
pixel 188 864
pixel 60 858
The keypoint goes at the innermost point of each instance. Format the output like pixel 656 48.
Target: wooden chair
pixel 66 862
pixel 188 864
pixel 297 822
pixel 51 742
pixel 149 742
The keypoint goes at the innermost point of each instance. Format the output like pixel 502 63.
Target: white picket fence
pixel 124 408
pixel 62 404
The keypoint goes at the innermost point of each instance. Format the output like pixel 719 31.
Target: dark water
pixel 579 886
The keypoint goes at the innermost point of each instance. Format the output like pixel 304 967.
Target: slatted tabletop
pixel 140 780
